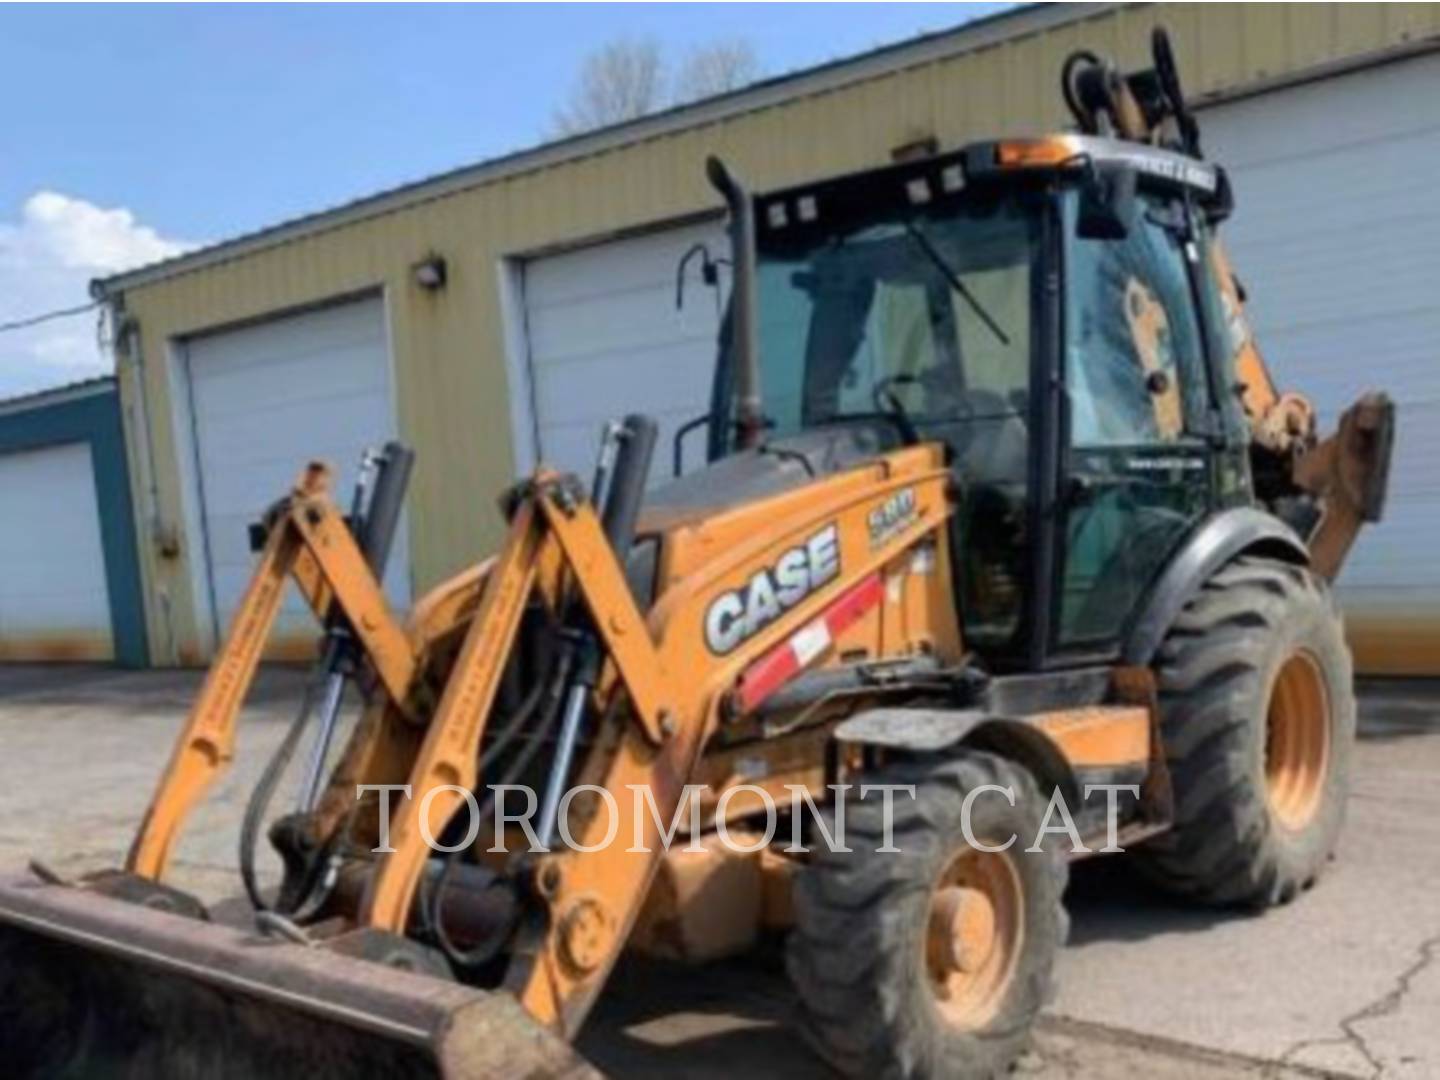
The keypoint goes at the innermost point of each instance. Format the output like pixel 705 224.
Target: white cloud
pixel 47 259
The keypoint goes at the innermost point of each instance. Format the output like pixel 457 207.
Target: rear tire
pixel 1258 720
pixel 932 961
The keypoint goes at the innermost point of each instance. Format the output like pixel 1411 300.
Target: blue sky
pixel 132 132
pixel 207 121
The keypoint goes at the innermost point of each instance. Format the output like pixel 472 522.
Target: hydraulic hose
pixel 546 690
pixel 374 518
pixel 264 792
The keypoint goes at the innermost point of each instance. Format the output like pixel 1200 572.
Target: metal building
pixel 69 579
pixel 494 315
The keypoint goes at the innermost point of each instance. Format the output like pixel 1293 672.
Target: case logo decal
pixel 735 616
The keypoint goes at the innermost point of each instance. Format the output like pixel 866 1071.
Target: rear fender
pixel 1220 538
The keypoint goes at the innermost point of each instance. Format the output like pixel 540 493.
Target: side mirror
pixel 1107 202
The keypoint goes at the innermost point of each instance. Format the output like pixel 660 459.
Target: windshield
pixel 928 317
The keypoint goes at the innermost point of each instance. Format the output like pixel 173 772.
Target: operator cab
pixel 1045 310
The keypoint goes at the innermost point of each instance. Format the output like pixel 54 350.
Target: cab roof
pixel 914 185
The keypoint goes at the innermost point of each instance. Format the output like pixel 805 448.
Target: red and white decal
pixel 806 645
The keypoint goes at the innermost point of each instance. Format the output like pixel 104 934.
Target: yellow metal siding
pixel 448 347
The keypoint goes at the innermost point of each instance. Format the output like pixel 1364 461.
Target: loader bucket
pixel 94 986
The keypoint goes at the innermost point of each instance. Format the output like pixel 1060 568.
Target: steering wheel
pixel 944 398
pixel 882 394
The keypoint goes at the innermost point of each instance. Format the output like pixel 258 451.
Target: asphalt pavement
pixel 1343 982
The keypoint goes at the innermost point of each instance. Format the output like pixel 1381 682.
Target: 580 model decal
pixel 892 517
pixel 739 614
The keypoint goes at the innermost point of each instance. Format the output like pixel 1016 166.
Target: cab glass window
pixel 1134 356
pixel 928 315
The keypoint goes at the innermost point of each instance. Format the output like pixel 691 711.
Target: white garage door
pixel 266 399
pixel 1336 236
pixel 54 603
pixel 605 338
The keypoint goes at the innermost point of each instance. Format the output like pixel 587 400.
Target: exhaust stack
pixel 749 411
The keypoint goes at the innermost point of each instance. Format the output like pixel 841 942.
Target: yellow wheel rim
pixel 1297 742
pixel 974 936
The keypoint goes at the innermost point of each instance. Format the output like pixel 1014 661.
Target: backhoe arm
pixel 1346 474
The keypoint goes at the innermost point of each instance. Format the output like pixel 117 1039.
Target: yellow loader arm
pixel 307 541
pixel 185 991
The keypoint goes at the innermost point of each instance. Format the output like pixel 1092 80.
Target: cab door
pixel 1140 428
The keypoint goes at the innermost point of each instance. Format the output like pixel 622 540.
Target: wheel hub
pixel 1297 742
pixel 962 924
pixel 974 936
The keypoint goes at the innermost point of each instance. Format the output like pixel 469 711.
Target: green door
pixel 1138 419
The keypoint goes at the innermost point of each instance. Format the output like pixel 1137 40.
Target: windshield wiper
pixel 923 242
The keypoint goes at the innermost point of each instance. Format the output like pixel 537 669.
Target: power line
pixel 36 320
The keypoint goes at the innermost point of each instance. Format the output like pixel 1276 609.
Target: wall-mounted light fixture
pixel 430 273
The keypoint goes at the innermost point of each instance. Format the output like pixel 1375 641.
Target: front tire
pixel 932 961
pixel 1258 720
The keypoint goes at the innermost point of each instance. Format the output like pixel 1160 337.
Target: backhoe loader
pixel 1007 551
